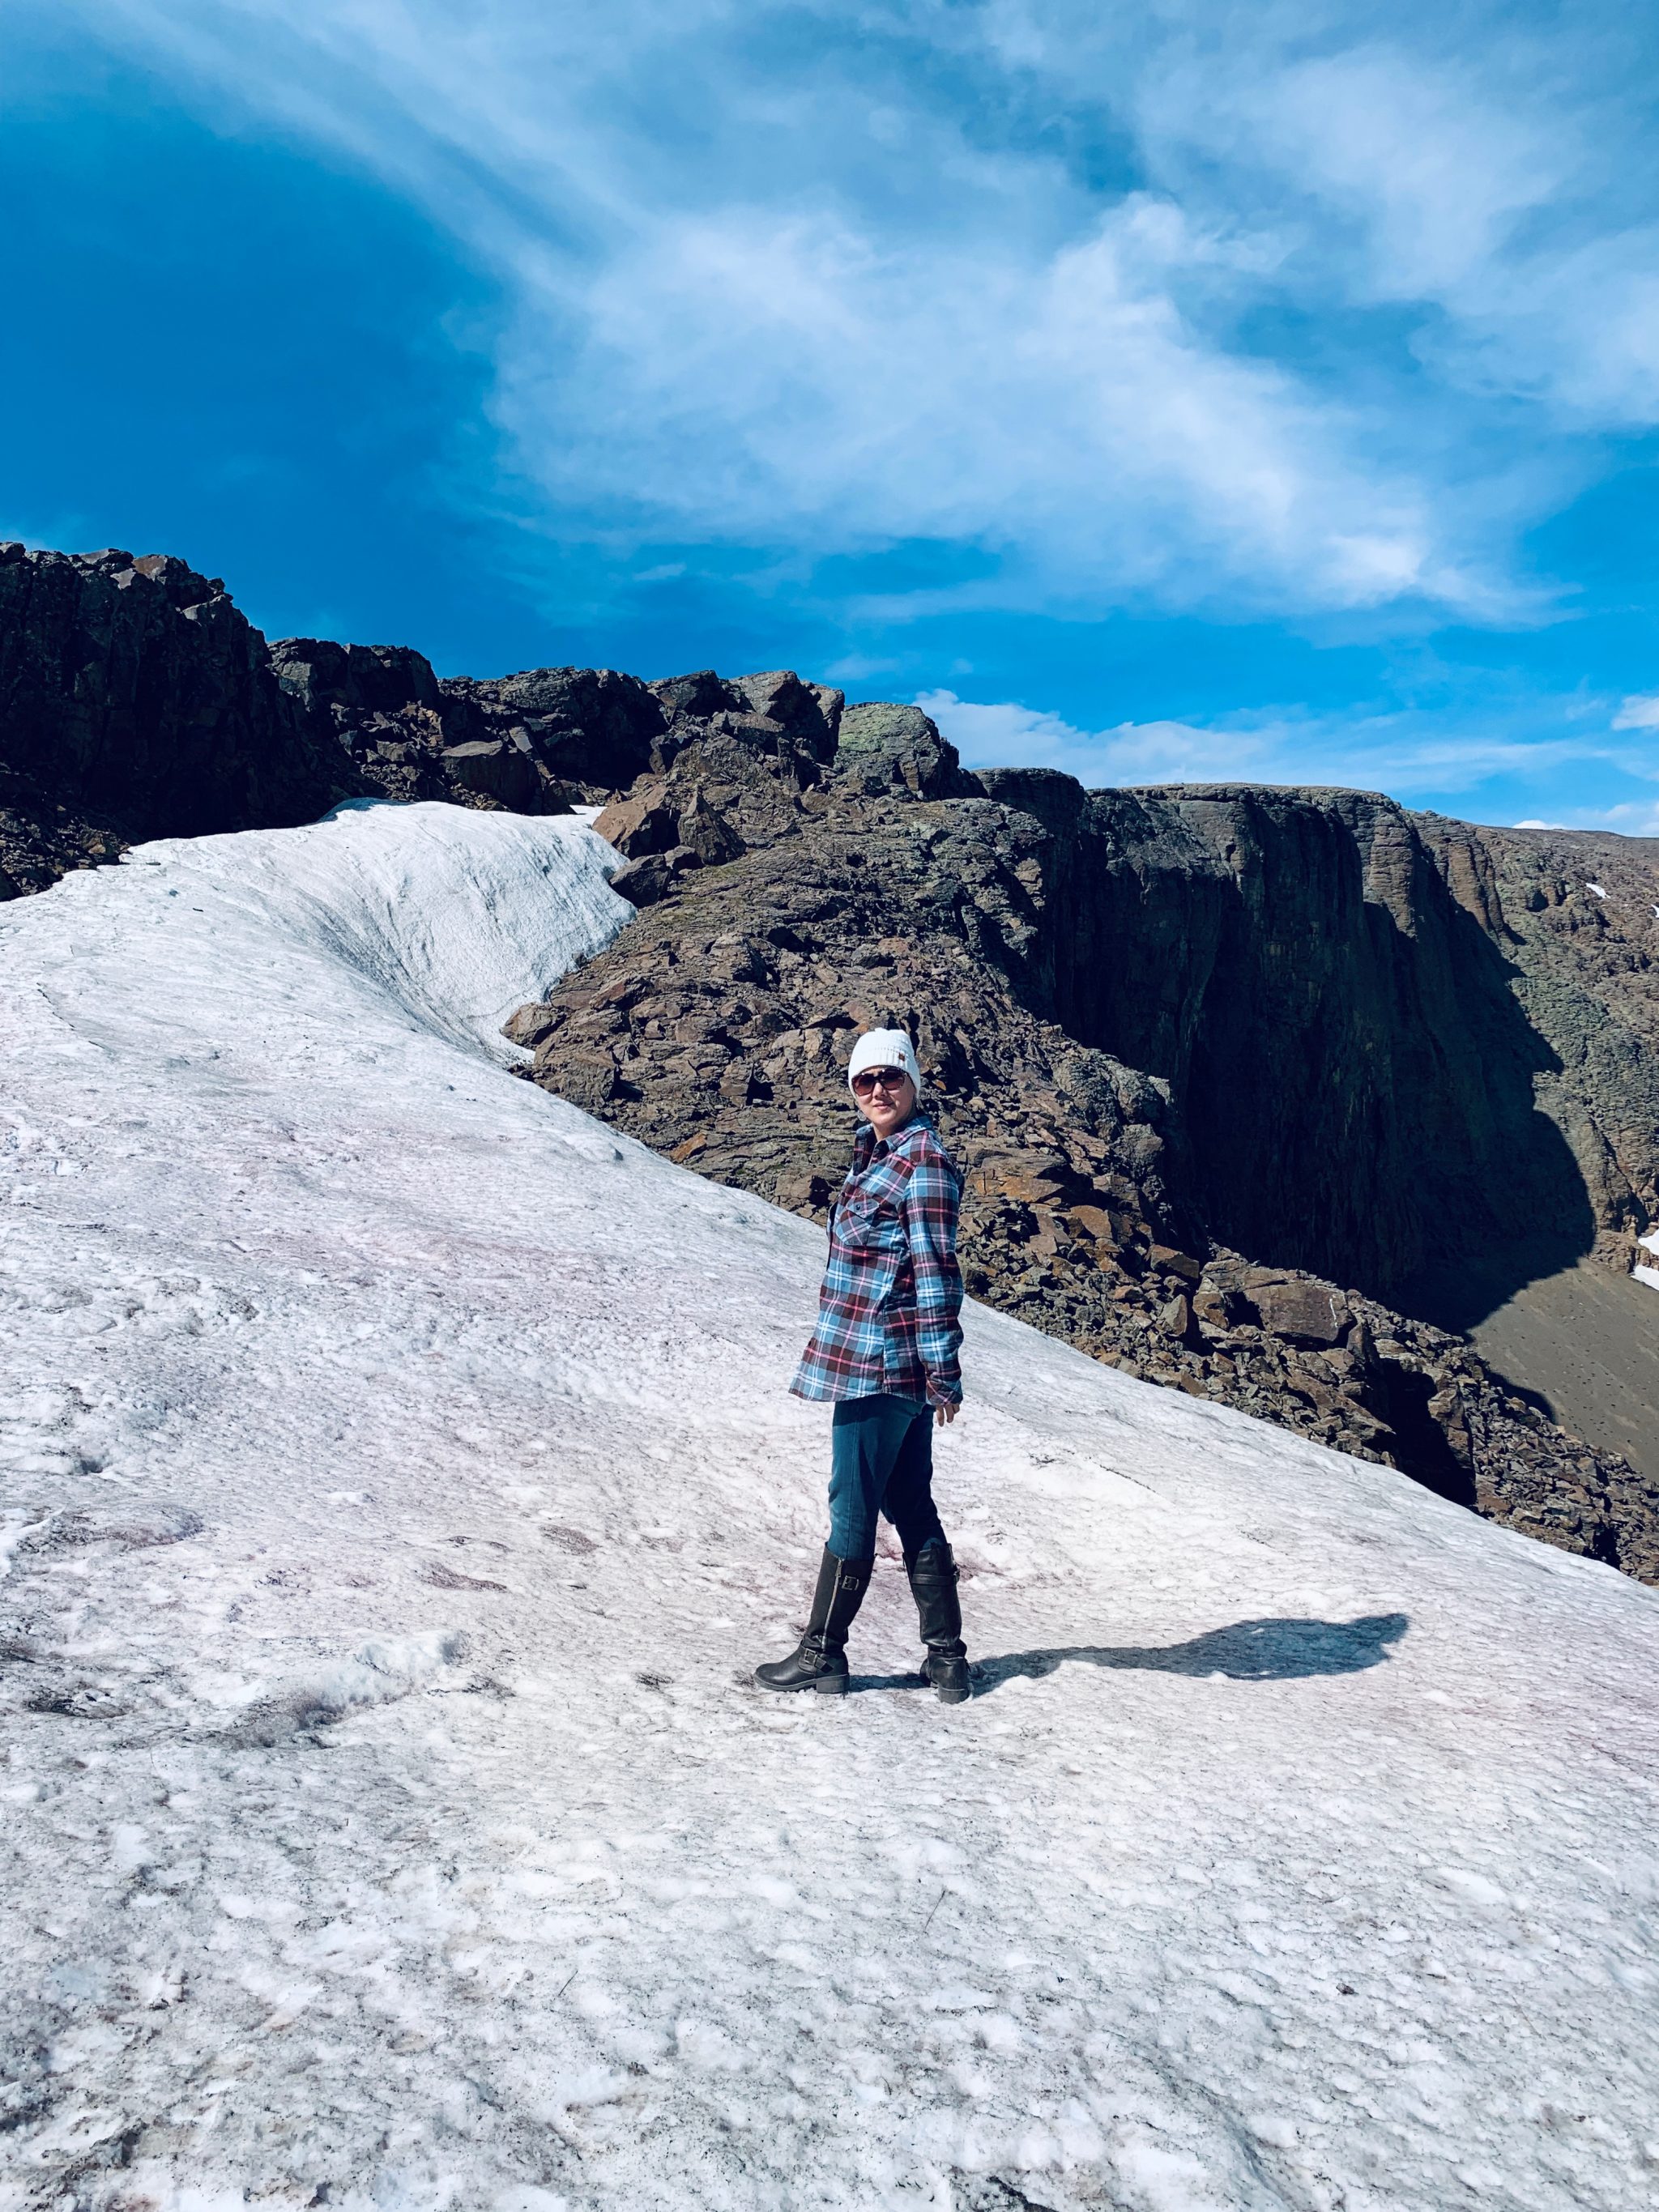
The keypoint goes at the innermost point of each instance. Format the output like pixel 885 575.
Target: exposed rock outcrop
pixel 529 742
pixel 136 701
pixel 1575 916
pixel 1028 933
pixel 1356 1078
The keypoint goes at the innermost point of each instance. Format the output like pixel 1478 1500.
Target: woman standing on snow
pixel 885 1351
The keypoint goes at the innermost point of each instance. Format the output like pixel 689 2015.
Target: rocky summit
pixel 1263 1095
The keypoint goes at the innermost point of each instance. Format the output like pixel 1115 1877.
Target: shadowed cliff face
pixel 1352 1076
pixel 1576 915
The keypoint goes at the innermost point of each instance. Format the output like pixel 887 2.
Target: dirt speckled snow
pixel 399 1485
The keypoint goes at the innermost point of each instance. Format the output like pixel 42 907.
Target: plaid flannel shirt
pixel 889 1310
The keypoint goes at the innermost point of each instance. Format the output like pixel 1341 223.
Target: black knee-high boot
pixel 933 1573
pixel 819 1661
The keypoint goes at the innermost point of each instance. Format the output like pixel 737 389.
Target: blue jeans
pixel 882 1461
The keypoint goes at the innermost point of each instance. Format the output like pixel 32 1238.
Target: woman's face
pixel 886 1097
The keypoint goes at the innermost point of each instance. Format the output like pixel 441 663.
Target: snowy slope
pixel 400 1484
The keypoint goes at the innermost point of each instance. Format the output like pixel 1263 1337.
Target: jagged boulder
pixel 810 712
pixel 640 824
pixel 884 745
pixel 592 728
pixel 1301 1311
pixel 504 770
pixel 353 681
pixel 702 829
pixel 644 882
pixel 699 697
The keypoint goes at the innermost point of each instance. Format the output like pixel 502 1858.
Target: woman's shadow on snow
pixel 1247 1652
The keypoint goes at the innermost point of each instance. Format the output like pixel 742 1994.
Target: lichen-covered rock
pixel 885 745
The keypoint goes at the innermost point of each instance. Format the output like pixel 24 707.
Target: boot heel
pixel 831 1686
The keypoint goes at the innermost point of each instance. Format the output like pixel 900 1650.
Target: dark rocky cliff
pixel 1574 917
pixel 1263 1094
pixel 136 701
pixel 1328 992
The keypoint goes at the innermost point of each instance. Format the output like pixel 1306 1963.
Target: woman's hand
pixel 944 1414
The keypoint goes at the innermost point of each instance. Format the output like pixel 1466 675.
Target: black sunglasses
pixel 888 1079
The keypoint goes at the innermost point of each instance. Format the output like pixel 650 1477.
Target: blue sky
pixel 1174 389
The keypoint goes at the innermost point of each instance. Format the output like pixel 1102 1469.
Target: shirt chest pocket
pixel 867 1222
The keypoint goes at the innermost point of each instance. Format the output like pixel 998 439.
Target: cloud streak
pixel 1317 323
pixel 1410 755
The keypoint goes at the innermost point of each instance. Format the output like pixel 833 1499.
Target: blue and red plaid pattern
pixel 889 1310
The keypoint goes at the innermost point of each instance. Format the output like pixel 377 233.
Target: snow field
pixel 400 1484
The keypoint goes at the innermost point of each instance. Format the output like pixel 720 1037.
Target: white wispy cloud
pixel 1632 818
pixel 818 282
pixel 1405 755
pixel 1002 734
pixel 1489 171
pixel 1638 712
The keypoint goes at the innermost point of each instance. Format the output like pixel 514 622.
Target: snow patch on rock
pixel 453 917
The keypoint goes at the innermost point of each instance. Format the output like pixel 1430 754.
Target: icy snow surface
pixel 400 1484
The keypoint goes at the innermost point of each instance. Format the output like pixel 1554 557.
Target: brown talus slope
pixel 1358 1073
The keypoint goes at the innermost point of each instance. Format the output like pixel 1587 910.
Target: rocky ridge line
pixel 137 701
pixel 791 895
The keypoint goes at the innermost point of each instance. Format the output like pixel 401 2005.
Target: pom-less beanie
pixel 884 1048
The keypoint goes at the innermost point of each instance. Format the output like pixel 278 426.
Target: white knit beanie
pixel 884 1048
